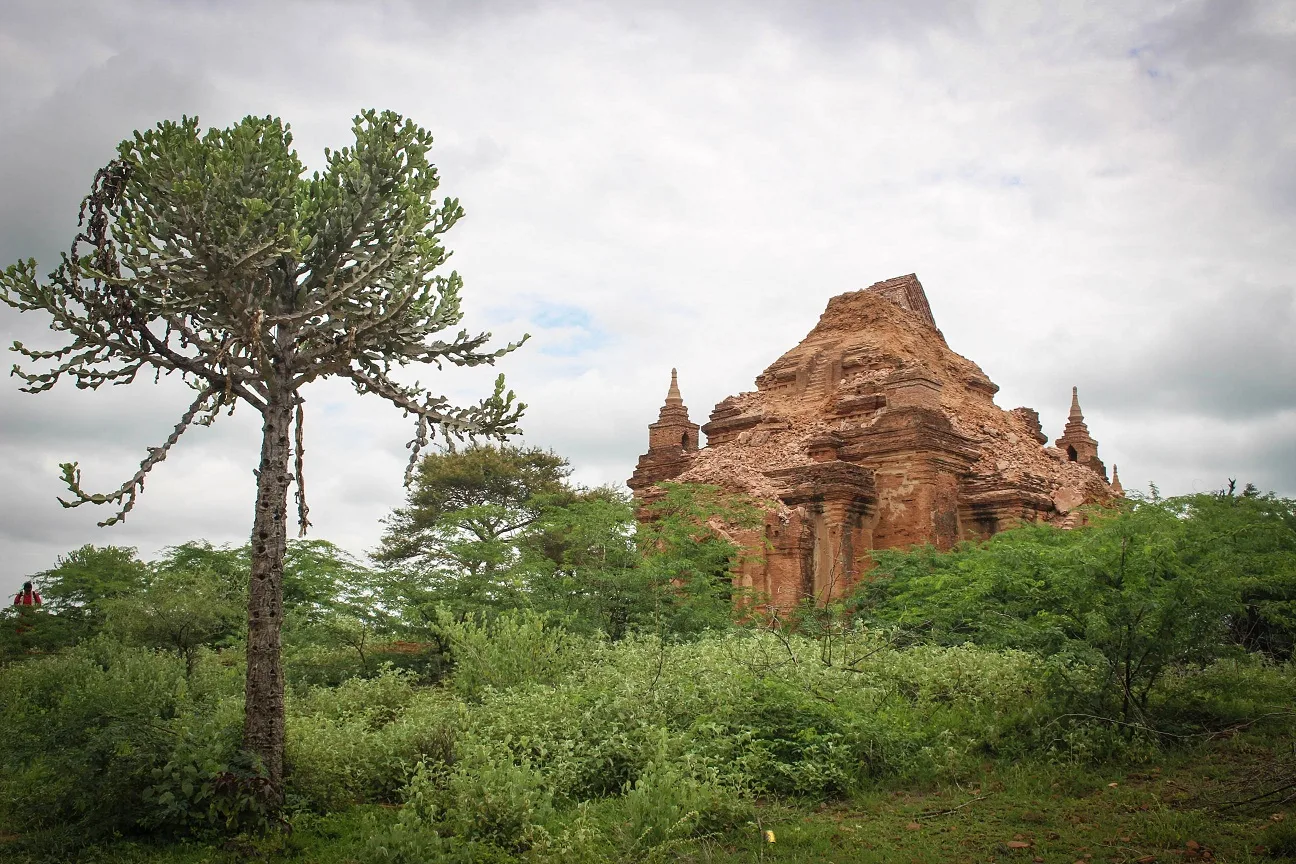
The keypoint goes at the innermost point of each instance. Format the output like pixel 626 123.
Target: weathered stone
pixel 1030 417
pixel 871 434
pixel 672 440
pixel 1075 441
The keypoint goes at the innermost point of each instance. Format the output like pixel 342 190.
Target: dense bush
pixel 762 712
pixel 1151 589
pixel 515 647
pixel 362 740
pixel 507 732
pixel 97 739
pixel 625 748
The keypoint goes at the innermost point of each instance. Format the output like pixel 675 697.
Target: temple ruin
pixel 872 434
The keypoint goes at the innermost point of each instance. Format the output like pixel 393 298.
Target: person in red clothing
pixel 27 596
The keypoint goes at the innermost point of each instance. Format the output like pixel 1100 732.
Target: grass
pixel 1169 811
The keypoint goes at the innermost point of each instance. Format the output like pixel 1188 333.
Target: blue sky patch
pixel 572 332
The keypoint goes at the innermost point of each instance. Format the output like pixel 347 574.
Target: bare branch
pixel 191 365
pixel 300 471
pixel 493 417
pixel 126 494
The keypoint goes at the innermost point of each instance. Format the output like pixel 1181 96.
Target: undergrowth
pixel 633 750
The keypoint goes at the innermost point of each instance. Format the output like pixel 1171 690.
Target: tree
pixel 1141 590
pixel 76 592
pixel 213 257
pixel 466 508
pixel 1251 537
pixel 83 578
pixel 181 610
pixel 688 557
pixel 332 599
pixel 578 559
pixel 321 579
pixel 188 600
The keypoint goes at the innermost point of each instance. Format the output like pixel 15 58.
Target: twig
pixel 1262 796
pixel 930 813
pixel 1136 853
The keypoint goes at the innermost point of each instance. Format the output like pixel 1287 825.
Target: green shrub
pixel 493 798
pixel 515 647
pixel 89 736
pixel 412 841
pixel 763 721
pixel 360 741
pixel 483 807
pixel 1280 839
pixel 1151 589
pixel 1231 691
pixel 185 794
pixel 675 798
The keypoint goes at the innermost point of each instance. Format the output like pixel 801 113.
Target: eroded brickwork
pixel 871 434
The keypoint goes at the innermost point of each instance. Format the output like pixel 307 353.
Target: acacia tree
pixel 213 256
pixel 456 538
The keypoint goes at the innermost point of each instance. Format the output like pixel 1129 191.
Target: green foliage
pixel 515 647
pixel 1252 539
pixel 77 592
pixel 515 479
pixel 689 560
pixel 211 255
pixel 1151 587
pixel 760 711
pixel 579 561
pixel 360 741
pixel 186 794
pixel 336 614
pixel 675 798
pixel 497 527
pixel 228 565
pixel 488 797
pixel 180 610
pixel 322 580
pixel 90 735
pixel 626 750
pixel 1280 839
pixel 213 252
pixel 456 538
pixel 84 578
pixel 193 596
pixel 549 743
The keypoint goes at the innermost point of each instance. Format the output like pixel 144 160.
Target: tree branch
pixel 300 471
pixel 128 491
pixel 494 417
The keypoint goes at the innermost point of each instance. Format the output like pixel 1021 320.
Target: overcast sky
pixel 1093 194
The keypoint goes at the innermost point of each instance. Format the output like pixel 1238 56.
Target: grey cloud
pixel 49 152
pixel 1225 73
pixel 1231 356
pixel 697 180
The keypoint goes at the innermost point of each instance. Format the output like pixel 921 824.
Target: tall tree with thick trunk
pixel 213 256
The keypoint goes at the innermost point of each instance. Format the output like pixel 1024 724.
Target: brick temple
pixel 871 434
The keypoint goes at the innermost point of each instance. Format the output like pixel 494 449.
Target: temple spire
pixel 673 394
pixel 672 442
pixel 1076 442
pixel 1116 484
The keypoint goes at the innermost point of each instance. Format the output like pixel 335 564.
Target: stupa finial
pixel 1075 416
pixel 673 394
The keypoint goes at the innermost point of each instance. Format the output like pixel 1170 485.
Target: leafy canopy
pixel 1155 586
pixel 212 256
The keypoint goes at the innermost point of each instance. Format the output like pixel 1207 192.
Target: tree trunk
pixel 263 724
